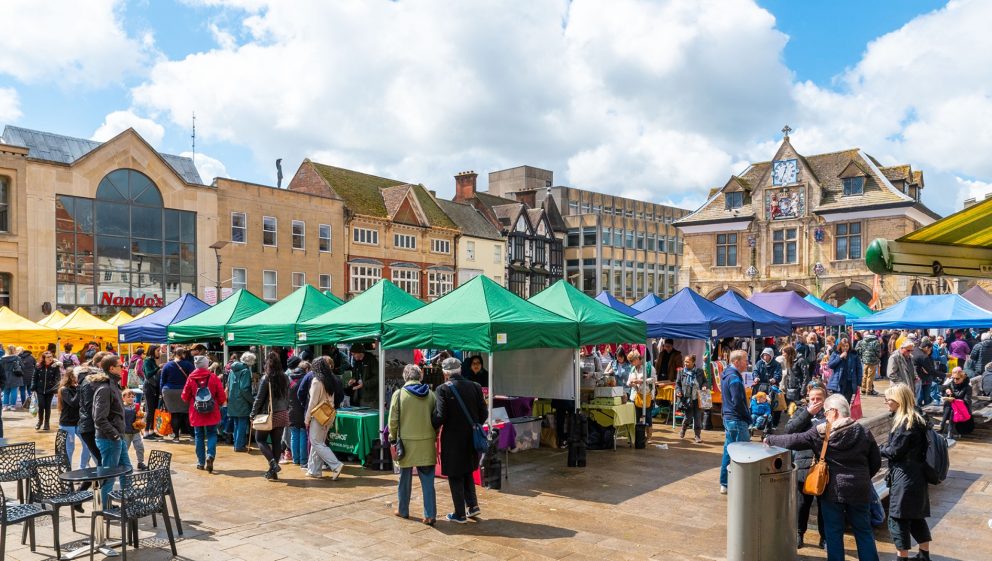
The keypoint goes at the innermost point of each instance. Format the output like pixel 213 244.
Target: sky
pixel 657 100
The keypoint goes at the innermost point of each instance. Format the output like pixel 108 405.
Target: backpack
pixel 204 401
pixel 937 460
pixel 67 361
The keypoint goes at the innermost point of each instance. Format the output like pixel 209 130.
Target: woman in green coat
pixel 410 413
pixel 240 399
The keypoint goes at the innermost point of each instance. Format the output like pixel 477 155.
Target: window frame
pixel 363 274
pixel 274 285
pixel 437 281
pixel 320 281
pixel 303 280
pixel 6 288
pixel 372 235
pixel 469 250
pixel 725 246
pixel 785 242
pixel 849 186
pixel 321 238
pixel 436 243
pixel 302 235
pixel 406 278
pixel 847 236
pixel 244 283
pixel 736 202
pixel 399 237
pixel 274 231
pixel 243 227
pixel 497 254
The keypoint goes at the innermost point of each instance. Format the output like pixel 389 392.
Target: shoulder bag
pixel 818 476
pixel 264 422
pixel 396 448
pixel 479 441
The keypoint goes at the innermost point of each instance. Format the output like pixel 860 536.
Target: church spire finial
pixel 786 130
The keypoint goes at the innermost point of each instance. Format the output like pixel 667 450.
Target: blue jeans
pixel 298 445
pixel 70 447
pixel 222 427
pixel 923 394
pixel 426 474
pixel 114 454
pixel 240 432
pixel 10 397
pixel 735 431
pixel 23 390
pixel 206 443
pixel 835 516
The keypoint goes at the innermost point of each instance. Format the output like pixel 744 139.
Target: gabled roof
pixel 534 215
pixel 469 220
pixel 554 214
pixel 508 214
pixel 394 197
pixel 66 150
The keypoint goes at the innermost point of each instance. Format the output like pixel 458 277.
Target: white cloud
pixel 224 39
pixel 69 42
pixel 10 105
pixel 209 168
pixel 119 121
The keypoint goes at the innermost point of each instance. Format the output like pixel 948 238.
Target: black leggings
pixel 270 451
pixel 44 407
pixel 180 424
pixel 151 404
pixel 805 505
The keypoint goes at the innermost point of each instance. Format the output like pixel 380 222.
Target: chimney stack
pixel 465 186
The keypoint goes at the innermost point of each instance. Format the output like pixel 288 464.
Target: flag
pixel 876 294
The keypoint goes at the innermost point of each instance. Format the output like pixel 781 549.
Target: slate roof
pixel 507 214
pixel 469 220
pixel 554 214
pixel 534 215
pixel 53 147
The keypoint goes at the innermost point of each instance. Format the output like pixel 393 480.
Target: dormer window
pixel 734 199
pixel 854 186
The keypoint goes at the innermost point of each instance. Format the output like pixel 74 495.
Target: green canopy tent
pixel 598 323
pixel 481 315
pixel 213 322
pixel 856 308
pixel 280 323
pixel 331 295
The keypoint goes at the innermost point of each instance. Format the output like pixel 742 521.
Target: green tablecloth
pixel 354 431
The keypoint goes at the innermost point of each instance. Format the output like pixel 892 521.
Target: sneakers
pixel 474 512
pixel 286 458
pixel 682 432
pixel 271 476
pixel 200 467
pixel 698 440
pixel 723 489
pixel 452 518
pixel 142 467
pixel 210 464
pixel 315 475
pixel 336 473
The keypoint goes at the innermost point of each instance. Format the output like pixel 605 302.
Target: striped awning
pixel 971 227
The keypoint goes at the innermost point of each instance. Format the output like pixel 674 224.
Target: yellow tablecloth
pixel 611 415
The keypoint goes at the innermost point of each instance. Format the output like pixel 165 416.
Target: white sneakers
pixel 723 489
pixel 337 472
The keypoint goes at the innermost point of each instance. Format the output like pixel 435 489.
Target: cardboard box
pixel 608 401
pixel 609 391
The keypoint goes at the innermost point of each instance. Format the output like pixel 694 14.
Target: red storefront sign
pixel 153 301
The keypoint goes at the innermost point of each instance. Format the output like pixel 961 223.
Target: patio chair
pixel 159 460
pixel 61 439
pixel 142 494
pixel 12 458
pixel 24 513
pixel 49 490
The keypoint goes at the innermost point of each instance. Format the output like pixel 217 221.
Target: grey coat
pixel 901 370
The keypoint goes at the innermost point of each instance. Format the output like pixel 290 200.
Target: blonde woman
pixel 641 383
pixel 909 497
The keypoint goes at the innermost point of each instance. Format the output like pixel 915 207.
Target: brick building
pixel 801 222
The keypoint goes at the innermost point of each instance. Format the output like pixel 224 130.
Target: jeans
pixel 858 515
pixel 298 444
pixel 462 493
pixel 222 427
pixel 89 440
pixel 734 431
pixel 320 453
pixel 139 445
pixel 23 390
pixel 70 447
pixel 206 443
pixel 426 475
pixel 113 454
pixel 10 397
pixel 1 422
pixel 240 432
pixel 923 394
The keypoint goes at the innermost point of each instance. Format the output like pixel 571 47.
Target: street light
pixel 217 246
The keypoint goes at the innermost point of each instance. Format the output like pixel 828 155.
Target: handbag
pixel 325 414
pixel 264 422
pixel 396 447
pixel 163 422
pixel 856 411
pixel 705 399
pixel 479 441
pixel 960 410
pixel 818 476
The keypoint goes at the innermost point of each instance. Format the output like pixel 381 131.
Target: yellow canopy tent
pixel 81 327
pixel 51 319
pixel 120 318
pixel 145 312
pixel 22 332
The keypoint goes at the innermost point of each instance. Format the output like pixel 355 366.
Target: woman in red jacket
pixel 204 392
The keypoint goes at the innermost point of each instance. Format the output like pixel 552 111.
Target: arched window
pixel 127 250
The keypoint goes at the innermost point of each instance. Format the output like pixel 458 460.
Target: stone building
pixel 391 229
pixel 481 247
pixel 802 222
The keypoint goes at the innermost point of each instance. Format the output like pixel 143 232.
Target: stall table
pixel 515 406
pixel 355 429
pixel 622 417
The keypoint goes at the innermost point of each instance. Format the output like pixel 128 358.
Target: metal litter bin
pixel 761 503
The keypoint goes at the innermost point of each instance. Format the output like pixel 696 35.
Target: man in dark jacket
pixel 668 362
pixel 980 355
pixel 108 418
pixel 460 406
pixel 804 419
pixel 923 363
pixel 28 366
pixel 734 408
pixel 852 460
pixel 986 387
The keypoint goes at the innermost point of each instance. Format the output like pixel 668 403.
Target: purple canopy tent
pixel 979 297
pixel 790 305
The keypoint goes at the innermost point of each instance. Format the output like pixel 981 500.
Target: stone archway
pixel 917 289
pixel 778 287
pixel 839 293
pixel 718 292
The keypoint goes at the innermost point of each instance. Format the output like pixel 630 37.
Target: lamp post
pixel 217 246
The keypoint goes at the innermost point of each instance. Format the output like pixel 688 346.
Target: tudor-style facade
pixel 802 223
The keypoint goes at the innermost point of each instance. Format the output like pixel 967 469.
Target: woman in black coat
pixel 804 419
pixel 45 384
pixel 959 389
pixel 909 497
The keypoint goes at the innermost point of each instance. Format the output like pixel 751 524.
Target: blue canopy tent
pixel 928 311
pixel 789 305
pixel 766 324
pixel 611 301
pixel 152 328
pixel 687 315
pixel 829 308
pixel 648 302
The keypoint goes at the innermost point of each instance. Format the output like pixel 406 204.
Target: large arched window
pixel 123 248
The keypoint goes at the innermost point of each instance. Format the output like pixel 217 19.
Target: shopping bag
pixel 856 412
pixel 163 422
pixel 705 400
pixel 960 410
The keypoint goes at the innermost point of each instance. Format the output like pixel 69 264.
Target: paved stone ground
pixel 630 504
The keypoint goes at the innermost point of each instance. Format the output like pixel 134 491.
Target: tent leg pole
pixel 492 392
pixel 226 353
pixel 382 387
pixel 577 380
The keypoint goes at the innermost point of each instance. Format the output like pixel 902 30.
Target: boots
pixel 272 475
pixel 923 555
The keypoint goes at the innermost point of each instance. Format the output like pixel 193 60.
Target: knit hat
pixel 293 362
pixel 358 348
pixel 768 351
pixel 761 395
pixel 201 361
pixel 451 365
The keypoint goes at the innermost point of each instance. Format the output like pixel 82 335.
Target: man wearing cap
pixel 925 371
pixel 456 397
pixel 668 362
pixel 901 370
pixel 364 383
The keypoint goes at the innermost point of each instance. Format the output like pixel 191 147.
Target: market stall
pixel 979 297
pixel 52 318
pixel 829 308
pixel 212 323
pixel 81 327
pixel 145 313
pixel 281 323
pixel 766 324
pixel 649 301
pixel 152 328
pixel 605 297
pixel 22 332
pixel 790 305
pixel 857 308
pixel 928 311
pixel 120 318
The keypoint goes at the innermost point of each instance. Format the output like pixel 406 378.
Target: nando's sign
pixel 111 299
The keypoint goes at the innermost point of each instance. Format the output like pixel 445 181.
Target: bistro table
pixel 96 475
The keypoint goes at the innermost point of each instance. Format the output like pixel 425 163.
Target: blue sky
pixel 655 100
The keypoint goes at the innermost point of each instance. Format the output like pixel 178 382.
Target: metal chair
pixel 25 513
pixel 12 458
pixel 61 439
pixel 49 490
pixel 160 460
pixel 142 494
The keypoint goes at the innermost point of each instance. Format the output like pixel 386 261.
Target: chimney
pixel 465 186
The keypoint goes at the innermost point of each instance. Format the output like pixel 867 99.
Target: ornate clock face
pixel 785 172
